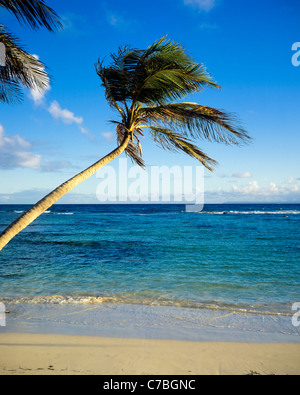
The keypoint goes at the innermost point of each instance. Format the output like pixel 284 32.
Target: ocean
pixel 227 261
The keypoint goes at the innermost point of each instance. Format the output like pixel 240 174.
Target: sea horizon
pixel 154 203
pixel 60 231
pixel 228 260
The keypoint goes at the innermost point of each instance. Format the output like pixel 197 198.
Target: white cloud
pixel 223 175
pixel 272 192
pixel 109 136
pixel 203 5
pixel 114 20
pixel 252 187
pixel 5 198
pixel 85 131
pixel 28 159
pixel 66 116
pixel 38 94
pixel 117 20
pixel 15 152
pixel 242 175
pixel 254 192
pixel 246 174
pixel 292 180
pixel 55 166
pixel 74 24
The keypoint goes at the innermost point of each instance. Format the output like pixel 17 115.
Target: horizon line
pixel 148 203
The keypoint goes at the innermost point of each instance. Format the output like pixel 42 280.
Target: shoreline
pixel 116 339
pixel 149 322
pixel 29 354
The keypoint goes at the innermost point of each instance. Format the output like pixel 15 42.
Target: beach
pixel 180 294
pixel 144 231
pixel 27 354
pixel 116 339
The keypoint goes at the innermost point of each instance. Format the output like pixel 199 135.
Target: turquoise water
pixel 241 257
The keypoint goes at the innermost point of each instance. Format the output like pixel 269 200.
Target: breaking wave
pixel 45 212
pixel 275 310
pixel 255 212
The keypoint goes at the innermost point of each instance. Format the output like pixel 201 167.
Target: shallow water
pixel 242 258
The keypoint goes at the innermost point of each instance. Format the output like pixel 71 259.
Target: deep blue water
pixel 239 256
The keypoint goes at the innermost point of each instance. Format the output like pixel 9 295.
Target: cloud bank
pixel 253 192
pixel 15 152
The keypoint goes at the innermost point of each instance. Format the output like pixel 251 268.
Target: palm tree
pixel 34 12
pixel 141 85
pixel 21 68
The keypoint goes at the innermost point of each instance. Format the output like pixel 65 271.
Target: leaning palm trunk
pixel 142 86
pixel 40 207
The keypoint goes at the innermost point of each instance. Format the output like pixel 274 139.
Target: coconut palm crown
pixel 142 86
pixel 21 68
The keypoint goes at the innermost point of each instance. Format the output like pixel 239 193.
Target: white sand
pixel 74 355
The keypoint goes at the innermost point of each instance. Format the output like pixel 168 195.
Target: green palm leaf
pixel 133 150
pixel 144 85
pixel 171 141
pixel 166 72
pixel 10 91
pixel 197 121
pixel 21 69
pixel 34 12
pixel 157 75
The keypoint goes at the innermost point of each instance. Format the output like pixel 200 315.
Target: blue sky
pixel 246 45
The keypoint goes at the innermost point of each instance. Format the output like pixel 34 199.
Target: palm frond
pixel 10 91
pixel 144 85
pixel 166 72
pixel 116 84
pixel 167 139
pixel 197 121
pixel 34 12
pixel 118 76
pixel 126 58
pixel 133 149
pixel 161 73
pixel 21 69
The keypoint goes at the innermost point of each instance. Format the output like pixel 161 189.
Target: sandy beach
pixel 149 194
pixel 29 354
